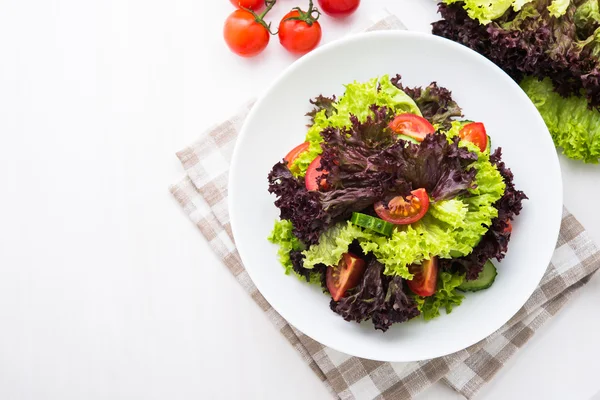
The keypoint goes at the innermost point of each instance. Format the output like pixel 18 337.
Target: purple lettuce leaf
pixel 298 205
pixel 439 166
pixel 494 243
pixel 435 102
pixel 378 298
pixel 532 42
pixel 321 103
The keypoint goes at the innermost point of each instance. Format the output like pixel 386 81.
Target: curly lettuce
pixel 574 127
pixel 283 236
pixel 356 101
pixel 446 296
pixel 452 228
pixel 486 11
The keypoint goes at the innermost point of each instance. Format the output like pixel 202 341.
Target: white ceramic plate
pixel 277 123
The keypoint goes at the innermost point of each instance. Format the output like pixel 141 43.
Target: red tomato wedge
pixel 310 179
pixel 345 276
pixel 475 133
pixel 424 281
pixel 508 228
pixel 295 153
pixel 412 125
pixel 404 210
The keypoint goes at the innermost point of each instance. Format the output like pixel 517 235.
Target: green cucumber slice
pixel 408 138
pixel 372 223
pixel 485 279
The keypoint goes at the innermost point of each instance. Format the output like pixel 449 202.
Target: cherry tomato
pixel 299 35
pixel 338 8
pixel 404 210
pixel 244 35
pixel 508 228
pixel 312 175
pixel 295 153
pixel 412 125
pixel 475 133
pixel 345 276
pixel 251 4
pixel 424 281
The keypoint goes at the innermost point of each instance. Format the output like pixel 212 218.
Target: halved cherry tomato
pixel 508 228
pixel 339 8
pixel 404 210
pixel 251 4
pixel 295 153
pixel 310 179
pixel 345 276
pixel 475 133
pixel 412 125
pixel 424 281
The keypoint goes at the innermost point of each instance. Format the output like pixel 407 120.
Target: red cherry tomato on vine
pixel 245 35
pixel 251 4
pixel 338 8
pixel 300 34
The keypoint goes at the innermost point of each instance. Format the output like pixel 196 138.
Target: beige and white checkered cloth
pixel 203 197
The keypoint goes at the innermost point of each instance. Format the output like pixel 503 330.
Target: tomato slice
pixel 508 228
pixel 475 133
pixel 345 276
pixel 424 281
pixel 404 210
pixel 310 179
pixel 295 153
pixel 412 125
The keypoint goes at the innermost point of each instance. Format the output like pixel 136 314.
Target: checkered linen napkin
pixel 203 196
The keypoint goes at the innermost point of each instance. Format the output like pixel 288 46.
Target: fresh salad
pixel 394 204
pixel 551 48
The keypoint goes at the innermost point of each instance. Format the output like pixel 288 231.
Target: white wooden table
pixel 106 290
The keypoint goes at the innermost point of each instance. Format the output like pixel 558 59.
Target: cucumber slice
pixel 489 145
pixel 372 223
pixel 408 138
pixel 485 279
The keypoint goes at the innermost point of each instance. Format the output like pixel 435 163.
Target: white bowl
pixel 277 123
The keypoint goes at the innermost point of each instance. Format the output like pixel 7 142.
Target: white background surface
pixel 106 289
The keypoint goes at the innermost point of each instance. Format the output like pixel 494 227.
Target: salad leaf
pixel 379 298
pixel 532 43
pixel 574 127
pixel 485 11
pixel 436 164
pixel 558 7
pixel 295 203
pixel 321 103
pixel 335 242
pixel 494 242
pixel 435 102
pixel 282 235
pixel 587 16
pixel 356 101
pixel 446 296
pixel 290 253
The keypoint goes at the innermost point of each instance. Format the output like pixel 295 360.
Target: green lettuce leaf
pixel 446 296
pixel 587 15
pixel 485 11
pixel 356 100
pixel 282 235
pixel 574 127
pixel 558 7
pixel 335 242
